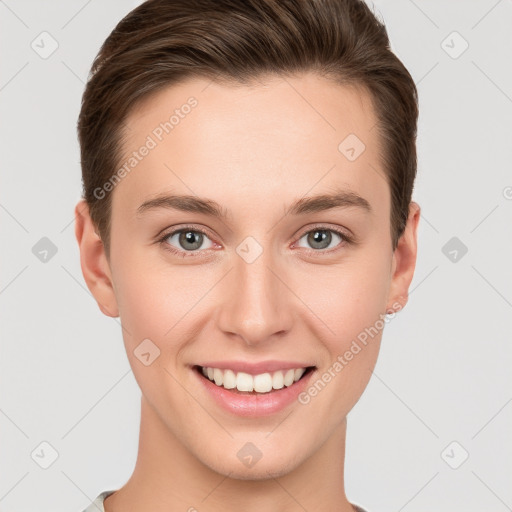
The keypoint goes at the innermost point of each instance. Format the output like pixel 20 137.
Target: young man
pixel 248 169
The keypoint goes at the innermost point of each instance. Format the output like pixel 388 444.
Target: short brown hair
pixel 162 42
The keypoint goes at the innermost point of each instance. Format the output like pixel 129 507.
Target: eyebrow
pixel 305 205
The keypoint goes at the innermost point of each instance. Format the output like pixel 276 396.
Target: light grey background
pixel 444 368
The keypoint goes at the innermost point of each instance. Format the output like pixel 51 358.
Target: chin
pixel 263 469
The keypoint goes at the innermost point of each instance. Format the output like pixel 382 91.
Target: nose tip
pixel 256 309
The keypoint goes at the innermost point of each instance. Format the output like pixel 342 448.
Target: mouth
pixel 243 383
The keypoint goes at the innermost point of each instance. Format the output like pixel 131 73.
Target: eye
pixel 187 240
pixel 321 238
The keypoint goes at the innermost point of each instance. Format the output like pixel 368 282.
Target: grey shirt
pixel 97 504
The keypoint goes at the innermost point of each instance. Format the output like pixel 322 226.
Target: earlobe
pixel 404 261
pixel 93 260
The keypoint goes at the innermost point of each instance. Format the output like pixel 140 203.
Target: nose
pixel 258 305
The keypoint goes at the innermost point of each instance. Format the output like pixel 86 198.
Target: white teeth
pixel 299 372
pixel 262 383
pixel 278 380
pixel 229 379
pixel 288 377
pixel 218 376
pixel 244 382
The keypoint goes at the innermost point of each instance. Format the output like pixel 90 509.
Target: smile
pixel 260 383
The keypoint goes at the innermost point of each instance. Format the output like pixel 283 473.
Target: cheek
pixel 152 295
pixel 161 304
pixel 349 307
pixel 349 298
pixel 349 303
pixel 145 307
pixel 150 311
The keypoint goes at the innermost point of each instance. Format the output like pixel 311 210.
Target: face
pixel 256 266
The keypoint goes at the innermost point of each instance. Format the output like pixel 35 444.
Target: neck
pixel 169 478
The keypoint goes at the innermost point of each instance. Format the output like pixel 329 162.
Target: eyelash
pixel 347 240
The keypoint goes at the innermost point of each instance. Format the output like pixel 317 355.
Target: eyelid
pixel 171 230
pixel 345 233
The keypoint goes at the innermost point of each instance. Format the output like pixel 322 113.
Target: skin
pixel 253 149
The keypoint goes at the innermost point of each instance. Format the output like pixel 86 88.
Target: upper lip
pixel 255 368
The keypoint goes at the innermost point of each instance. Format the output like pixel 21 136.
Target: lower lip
pixel 254 405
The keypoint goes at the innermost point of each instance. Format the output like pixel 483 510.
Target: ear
pixel 93 260
pixel 404 261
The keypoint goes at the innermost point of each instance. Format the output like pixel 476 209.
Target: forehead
pixel 291 136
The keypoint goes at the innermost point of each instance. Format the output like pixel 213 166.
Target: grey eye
pixel 320 238
pixel 189 239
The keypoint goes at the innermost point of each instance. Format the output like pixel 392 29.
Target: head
pixel 250 109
